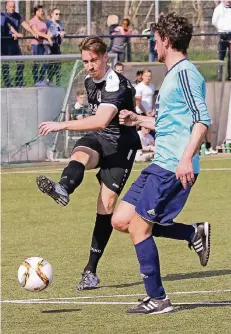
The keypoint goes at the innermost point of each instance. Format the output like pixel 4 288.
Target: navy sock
pixel 148 257
pixel 100 237
pixel 176 231
pixel 72 176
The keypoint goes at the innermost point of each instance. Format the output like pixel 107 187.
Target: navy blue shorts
pixel 157 195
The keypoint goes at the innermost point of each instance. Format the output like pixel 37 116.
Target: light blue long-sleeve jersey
pixel 179 105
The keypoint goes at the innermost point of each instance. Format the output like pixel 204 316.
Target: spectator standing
pixel 147 141
pixel 119 68
pixel 152 53
pixel 139 75
pixel 119 44
pixel 10 25
pixel 39 27
pixel 56 30
pixel 145 91
pixel 222 21
pixel 112 22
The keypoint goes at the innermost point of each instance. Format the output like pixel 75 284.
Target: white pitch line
pixel 115 296
pixel 51 171
pixel 113 303
pixel 216 169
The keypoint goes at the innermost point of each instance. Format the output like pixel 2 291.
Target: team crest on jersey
pixel 99 96
pixel 112 82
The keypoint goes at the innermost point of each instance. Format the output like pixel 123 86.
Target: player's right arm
pixel 129 118
pixel 103 116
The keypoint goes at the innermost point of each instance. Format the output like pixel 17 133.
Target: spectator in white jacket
pixel 222 21
pixel 145 92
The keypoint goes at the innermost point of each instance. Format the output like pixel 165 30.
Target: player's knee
pixel 80 156
pixel 119 223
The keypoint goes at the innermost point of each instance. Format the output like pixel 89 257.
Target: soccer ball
pixel 35 274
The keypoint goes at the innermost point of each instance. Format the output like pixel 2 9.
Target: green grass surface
pixel 33 225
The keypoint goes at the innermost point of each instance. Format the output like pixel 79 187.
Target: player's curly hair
pixel 177 29
pixel 94 44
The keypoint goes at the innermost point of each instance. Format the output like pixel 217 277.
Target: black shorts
pixel 115 163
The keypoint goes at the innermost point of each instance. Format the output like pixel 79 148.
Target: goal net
pixel 36 89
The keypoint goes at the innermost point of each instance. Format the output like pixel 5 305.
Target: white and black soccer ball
pixel 35 274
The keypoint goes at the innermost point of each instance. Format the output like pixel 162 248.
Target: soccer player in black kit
pixel 108 145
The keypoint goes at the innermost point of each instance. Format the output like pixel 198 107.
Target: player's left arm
pixel 193 88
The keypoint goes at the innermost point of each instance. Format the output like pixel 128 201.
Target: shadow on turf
pixel 197 274
pixel 184 307
pixel 175 277
pixel 62 311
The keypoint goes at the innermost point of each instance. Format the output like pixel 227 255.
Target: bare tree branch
pixel 147 16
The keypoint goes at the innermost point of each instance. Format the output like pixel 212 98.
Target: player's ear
pixel 166 43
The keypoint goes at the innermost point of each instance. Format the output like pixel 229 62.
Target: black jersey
pixel 113 90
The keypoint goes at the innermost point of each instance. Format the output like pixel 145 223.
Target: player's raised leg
pixel 101 234
pixel 198 236
pixel 82 158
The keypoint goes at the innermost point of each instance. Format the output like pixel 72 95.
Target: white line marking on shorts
pixel 53 171
pixel 221 291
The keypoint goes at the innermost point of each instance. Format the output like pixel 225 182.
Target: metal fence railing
pixel 202 46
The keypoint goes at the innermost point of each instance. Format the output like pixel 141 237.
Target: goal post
pixel 25 104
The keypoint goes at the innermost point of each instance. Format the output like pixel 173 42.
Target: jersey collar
pixel 104 78
pixel 176 64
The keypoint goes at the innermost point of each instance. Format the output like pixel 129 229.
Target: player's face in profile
pixel 94 64
pixel 160 48
pixel 119 69
pixel 228 3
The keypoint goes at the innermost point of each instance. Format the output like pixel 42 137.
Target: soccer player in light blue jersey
pixel 161 191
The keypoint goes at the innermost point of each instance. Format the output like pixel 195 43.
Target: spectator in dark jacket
pixel 10 25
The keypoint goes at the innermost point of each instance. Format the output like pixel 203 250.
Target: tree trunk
pixel 126 8
pixel 28 10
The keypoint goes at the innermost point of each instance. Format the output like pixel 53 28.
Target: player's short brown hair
pixel 177 29
pixel 95 44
